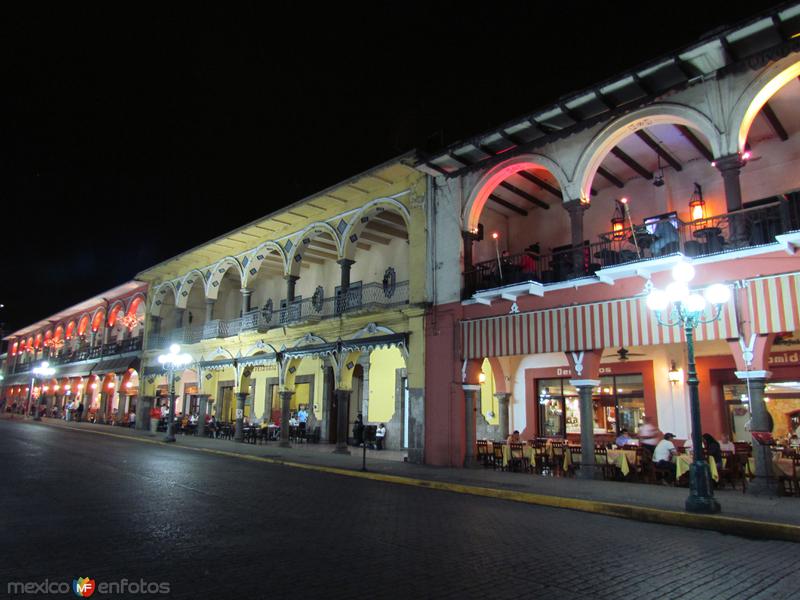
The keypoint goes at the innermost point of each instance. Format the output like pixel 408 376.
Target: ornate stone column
pixel 730 167
pixel 470 409
pixel 286 400
pixel 210 309
pixel 764 483
pixel 502 408
pixel 588 468
pixel 575 208
pixel 241 398
pixel 246 294
pixel 291 282
pixel 179 317
pixel 201 417
pixel 342 418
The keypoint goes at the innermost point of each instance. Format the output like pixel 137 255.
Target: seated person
pixel 513 438
pixel 725 444
pixel 712 448
pixel 623 439
pixel 663 455
pixel 293 420
pixel 794 441
pixel 688 446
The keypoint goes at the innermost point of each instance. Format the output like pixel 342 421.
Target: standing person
pixel 380 434
pixel 302 415
pixel 79 411
pixel 649 434
pixel 358 429
pixel 713 448
pixel 132 420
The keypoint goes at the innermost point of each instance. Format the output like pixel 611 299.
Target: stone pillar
pixel 342 421
pixel 364 362
pixel 729 167
pixel 345 265
pixel 291 282
pixel 210 309
pixel 179 317
pixel 764 483
pixel 502 409
pixel 241 398
pixel 201 417
pixel 246 294
pixel 588 468
pixel 286 399
pixel 575 209
pixel 470 409
pixel 143 407
pixel 467 237
pixel 122 406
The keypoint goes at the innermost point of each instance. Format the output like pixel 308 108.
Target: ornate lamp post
pixel 43 370
pixel 686 309
pixel 172 362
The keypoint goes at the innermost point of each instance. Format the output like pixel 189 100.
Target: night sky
pixel 128 137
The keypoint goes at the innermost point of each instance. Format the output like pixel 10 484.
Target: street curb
pixel 729 525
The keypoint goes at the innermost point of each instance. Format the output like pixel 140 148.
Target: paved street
pixel 213 526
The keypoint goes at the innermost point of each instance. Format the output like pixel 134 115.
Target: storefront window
pixel 618 404
pixel 782 399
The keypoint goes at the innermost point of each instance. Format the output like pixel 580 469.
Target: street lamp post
pixel 172 361
pixel 686 309
pixel 43 370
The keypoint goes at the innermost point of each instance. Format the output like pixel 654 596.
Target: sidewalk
pixel 741 514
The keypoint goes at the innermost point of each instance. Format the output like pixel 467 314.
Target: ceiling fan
pixel 622 354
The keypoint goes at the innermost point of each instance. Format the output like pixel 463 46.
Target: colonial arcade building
pixel 562 219
pixel 94 349
pixel 316 306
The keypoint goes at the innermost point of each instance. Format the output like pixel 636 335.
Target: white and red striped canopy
pixel 773 303
pixel 612 324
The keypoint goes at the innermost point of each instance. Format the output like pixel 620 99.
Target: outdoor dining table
pixel 782 466
pixel 684 461
pixel 527 452
pixel 622 459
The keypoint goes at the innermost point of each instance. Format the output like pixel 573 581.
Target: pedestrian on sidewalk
pixel 380 434
pixel 78 411
pixel 649 434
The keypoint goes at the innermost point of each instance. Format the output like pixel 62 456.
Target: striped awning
pixel 612 324
pixel 773 303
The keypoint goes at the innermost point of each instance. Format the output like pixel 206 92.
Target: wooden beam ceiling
pixel 523 194
pixel 624 157
pixel 610 177
pixel 378 239
pixel 380 228
pixel 658 149
pixel 695 141
pixel 508 205
pixel 541 183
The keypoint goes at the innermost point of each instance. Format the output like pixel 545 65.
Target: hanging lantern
pixel 618 221
pixel 697 206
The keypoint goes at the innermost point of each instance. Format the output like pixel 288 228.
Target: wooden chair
pixel 517 457
pixel 559 448
pixel 790 485
pixel 601 460
pixel 497 454
pixel 483 452
pixel 542 457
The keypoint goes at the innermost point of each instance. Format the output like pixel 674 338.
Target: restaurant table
pixel 527 452
pixel 683 461
pixel 622 459
pixel 711 236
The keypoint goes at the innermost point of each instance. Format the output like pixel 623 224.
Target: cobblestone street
pixel 216 526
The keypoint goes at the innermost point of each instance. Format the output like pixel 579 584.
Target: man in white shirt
pixel 132 420
pixel 662 455
pixel 380 434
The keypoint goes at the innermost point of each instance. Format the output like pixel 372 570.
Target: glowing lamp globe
pixel 677 291
pixel 695 303
pixel 657 300
pixel 719 293
pixel 683 272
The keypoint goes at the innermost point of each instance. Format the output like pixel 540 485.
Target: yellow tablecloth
pixel 683 461
pixel 527 452
pixel 621 459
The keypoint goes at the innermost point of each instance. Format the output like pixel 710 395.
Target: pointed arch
pixel 297 246
pixel 98 318
pixel 361 220
pixel 113 312
pixel 613 133
pixel 256 258
pixel 192 278
pixel 134 302
pixel 218 272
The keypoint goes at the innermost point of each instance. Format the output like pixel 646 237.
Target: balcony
pixel 84 353
pixel 362 299
pixel 747 228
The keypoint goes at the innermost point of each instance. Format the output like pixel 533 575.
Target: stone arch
pixel 134 302
pixel 754 97
pixel 613 133
pixel 218 272
pixel 83 324
pixel 113 312
pixel 500 381
pixel 470 371
pixel 257 257
pixel 98 318
pixel 361 219
pixel 302 240
pixel 70 329
pixel 480 192
pixel 186 284
pixel 161 294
